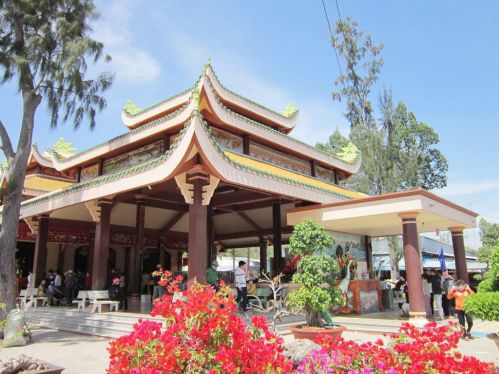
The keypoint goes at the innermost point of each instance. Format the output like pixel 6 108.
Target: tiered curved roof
pixel 174 112
pixel 186 112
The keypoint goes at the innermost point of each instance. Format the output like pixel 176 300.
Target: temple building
pixel 199 173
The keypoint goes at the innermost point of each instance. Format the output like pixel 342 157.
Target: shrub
pixel 412 351
pixel 201 334
pixel 483 305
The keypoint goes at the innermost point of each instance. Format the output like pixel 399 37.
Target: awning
pixel 379 215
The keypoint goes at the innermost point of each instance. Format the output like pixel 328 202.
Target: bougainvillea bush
pixel 201 334
pixel 432 350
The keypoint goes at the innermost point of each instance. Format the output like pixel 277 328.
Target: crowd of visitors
pixel 443 296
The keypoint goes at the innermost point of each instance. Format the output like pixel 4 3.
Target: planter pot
pixel 311 333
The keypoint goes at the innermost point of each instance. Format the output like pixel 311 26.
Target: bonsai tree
pixel 316 273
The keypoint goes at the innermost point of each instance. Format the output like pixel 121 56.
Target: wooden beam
pixel 249 234
pixel 248 244
pixel 237 197
pixel 243 207
pixel 248 220
pixel 172 222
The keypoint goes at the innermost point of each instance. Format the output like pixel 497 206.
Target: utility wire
pixel 331 33
pixel 338 10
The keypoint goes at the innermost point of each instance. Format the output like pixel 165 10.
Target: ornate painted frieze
pixel 227 140
pixel 277 158
pixel 89 172
pixel 137 156
pixel 324 174
pixel 65 235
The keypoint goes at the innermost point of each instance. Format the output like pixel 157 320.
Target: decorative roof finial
pixel 208 63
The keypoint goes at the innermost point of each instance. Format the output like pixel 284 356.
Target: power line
pixel 331 33
pixel 338 10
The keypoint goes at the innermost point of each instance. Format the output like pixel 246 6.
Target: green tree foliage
pixel 485 304
pixel 335 144
pixel 489 234
pixel 64 148
pixel 398 151
pixel 316 273
pixel 45 46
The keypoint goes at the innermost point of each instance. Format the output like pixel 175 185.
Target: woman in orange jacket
pixel 460 292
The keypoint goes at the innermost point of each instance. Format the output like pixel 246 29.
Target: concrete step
pixel 110 325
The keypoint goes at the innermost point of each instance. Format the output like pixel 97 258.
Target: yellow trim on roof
pixel 250 162
pixel 40 183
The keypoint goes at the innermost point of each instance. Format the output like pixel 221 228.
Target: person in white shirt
pixel 240 280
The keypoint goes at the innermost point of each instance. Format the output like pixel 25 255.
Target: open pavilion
pixel 201 172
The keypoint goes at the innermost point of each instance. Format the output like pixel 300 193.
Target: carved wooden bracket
pixel 187 189
pixel 94 210
pixel 32 224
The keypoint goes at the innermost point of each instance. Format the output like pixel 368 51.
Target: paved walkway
pixel 75 352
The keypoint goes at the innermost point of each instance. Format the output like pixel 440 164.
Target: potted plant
pixel 316 274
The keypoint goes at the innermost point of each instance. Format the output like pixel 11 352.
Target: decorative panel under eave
pixel 324 174
pixel 277 158
pixel 227 140
pixel 135 157
pixel 89 172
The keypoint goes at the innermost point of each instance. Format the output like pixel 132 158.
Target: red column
pixel 277 238
pixel 198 234
pixel 138 248
pixel 40 259
pixel 413 265
pixel 459 253
pixel 263 255
pixel 101 246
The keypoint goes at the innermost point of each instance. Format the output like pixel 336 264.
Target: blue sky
pixel 441 59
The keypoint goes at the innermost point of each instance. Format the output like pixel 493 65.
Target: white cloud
pixel 461 189
pixel 130 62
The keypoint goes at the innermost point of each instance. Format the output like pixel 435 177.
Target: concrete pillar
pixel 277 238
pixel 263 255
pixel 413 265
pixel 198 251
pixel 40 258
pixel 101 246
pixel 459 253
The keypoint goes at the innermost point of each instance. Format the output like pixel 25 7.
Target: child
pixel 460 292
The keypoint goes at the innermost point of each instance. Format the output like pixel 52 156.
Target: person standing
pixel 123 293
pixel 447 304
pixel 427 294
pixel 69 285
pixel 436 287
pixel 459 293
pixel 240 280
pixel 156 277
pixel 211 275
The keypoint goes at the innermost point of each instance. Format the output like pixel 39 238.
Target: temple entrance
pixel 81 259
pixel 24 258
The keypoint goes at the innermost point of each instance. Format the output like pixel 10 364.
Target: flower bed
pixel 203 334
pixel 432 350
